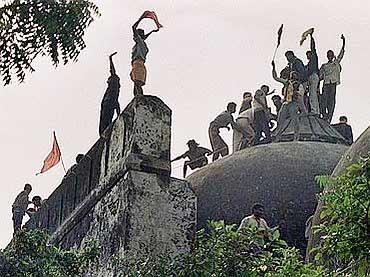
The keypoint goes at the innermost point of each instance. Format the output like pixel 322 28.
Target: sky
pixel 207 54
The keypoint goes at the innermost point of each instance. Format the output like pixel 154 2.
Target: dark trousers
pixel 327 101
pixel 106 116
pixel 17 220
pixel 262 126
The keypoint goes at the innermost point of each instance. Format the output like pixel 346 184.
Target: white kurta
pixel 245 120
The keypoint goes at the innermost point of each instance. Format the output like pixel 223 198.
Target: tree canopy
pixel 30 255
pixel 32 28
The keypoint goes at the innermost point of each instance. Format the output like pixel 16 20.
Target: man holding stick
pixel 312 68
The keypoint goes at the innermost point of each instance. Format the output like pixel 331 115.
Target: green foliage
pixel 225 252
pixel 29 28
pixel 345 245
pixel 30 255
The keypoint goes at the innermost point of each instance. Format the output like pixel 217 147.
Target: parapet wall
pixel 121 193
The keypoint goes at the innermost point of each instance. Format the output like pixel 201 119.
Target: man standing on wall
pixel 110 100
pixel 20 206
pixel 139 53
pixel 330 73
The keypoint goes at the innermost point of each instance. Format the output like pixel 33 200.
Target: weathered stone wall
pixel 121 193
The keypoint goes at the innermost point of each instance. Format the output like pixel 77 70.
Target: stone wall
pixel 121 193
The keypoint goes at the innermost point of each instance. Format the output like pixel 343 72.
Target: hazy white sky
pixel 208 53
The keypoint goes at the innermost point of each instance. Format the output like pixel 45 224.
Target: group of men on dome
pixel 300 95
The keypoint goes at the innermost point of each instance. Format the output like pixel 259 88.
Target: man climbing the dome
pixel 197 156
pixel 223 120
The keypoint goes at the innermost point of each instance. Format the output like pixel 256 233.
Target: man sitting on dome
pixel 197 156
pixel 223 120
pixel 344 129
pixel 256 222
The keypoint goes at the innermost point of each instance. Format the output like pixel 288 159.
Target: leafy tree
pixel 225 252
pixel 345 245
pixel 32 28
pixel 30 255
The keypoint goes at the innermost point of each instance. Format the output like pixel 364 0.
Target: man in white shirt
pixel 246 121
pixel 255 221
pixel 330 73
pixel 223 120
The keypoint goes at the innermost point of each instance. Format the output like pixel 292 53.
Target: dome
pixel 308 127
pixel 278 175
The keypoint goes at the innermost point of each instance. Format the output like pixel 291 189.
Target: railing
pixel 71 192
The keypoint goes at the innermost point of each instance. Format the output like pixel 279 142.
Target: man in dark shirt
pixel 344 129
pixel 110 99
pixel 247 102
pixel 20 206
pixel 278 102
pixel 312 69
pixel 296 65
pixel 37 202
pixel 197 156
pixel 262 115
pixel 70 171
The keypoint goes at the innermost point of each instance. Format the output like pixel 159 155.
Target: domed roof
pixel 278 175
pixel 308 127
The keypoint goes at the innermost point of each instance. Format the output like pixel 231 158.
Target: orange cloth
pixel 138 72
pixel 53 158
pixel 152 15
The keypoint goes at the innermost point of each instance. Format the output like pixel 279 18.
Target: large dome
pixel 278 175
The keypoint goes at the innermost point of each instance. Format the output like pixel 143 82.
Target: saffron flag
pixel 305 34
pixel 53 158
pixel 153 16
pixel 280 32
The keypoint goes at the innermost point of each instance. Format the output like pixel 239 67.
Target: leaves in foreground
pixel 32 28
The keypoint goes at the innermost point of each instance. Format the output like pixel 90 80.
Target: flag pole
pixel 61 156
pixel 61 159
pixel 275 52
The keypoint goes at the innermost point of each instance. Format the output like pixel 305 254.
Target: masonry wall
pixel 121 193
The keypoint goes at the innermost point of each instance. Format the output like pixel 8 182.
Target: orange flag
pixel 53 158
pixel 153 16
